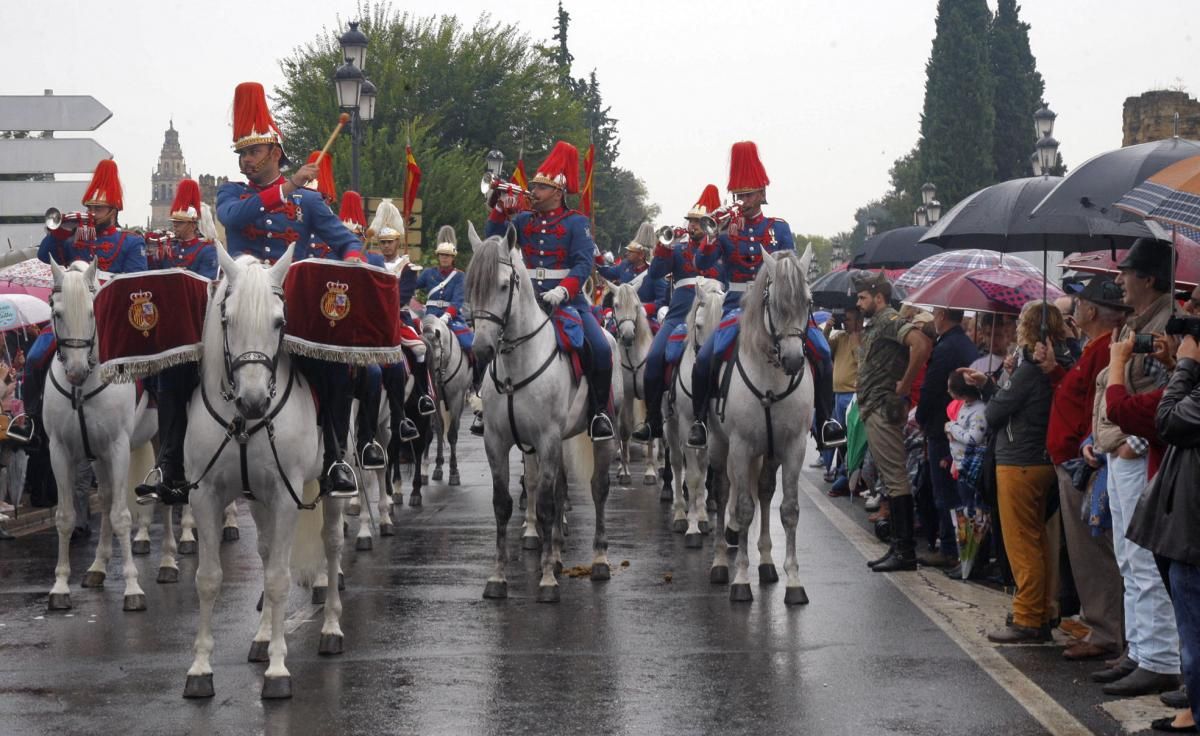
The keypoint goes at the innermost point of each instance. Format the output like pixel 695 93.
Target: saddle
pixel 568 332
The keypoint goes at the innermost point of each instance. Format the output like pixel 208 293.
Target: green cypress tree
pixel 959 117
pixel 1018 92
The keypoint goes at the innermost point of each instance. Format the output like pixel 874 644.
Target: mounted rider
pixel 739 249
pixel 262 218
pixel 445 289
pixel 93 235
pixel 678 260
pixel 557 247
pixel 189 250
pixel 634 269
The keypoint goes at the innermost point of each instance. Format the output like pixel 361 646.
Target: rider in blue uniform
pixel 679 261
pixel 185 248
pixel 557 247
pixel 652 288
pixel 265 215
pixel 93 235
pixel 739 249
pixel 445 287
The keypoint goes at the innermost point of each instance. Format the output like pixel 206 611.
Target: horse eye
pixel 279 322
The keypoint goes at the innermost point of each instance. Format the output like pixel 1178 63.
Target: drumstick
pixel 342 120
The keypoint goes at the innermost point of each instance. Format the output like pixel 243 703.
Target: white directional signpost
pixel 23 201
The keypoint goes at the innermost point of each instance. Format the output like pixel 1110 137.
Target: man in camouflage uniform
pixel 892 354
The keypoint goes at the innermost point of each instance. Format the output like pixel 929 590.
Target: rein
pixel 76 395
pixel 78 399
pixel 444 363
pixel 639 395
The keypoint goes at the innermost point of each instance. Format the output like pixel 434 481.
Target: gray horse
pixel 531 401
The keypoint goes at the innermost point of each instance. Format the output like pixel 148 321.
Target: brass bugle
pixel 490 181
pixel 54 219
pixel 719 219
pixel 666 235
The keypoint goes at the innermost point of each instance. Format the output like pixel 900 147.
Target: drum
pixel 149 321
pixel 345 312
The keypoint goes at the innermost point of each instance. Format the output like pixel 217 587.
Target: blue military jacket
pixel 679 261
pixel 557 248
pixel 439 298
pixel 741 253
pixel 116 250
pixel 263 223
pixel 197 255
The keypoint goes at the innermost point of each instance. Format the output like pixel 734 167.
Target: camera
pixel 1184 326
pixel 1143 343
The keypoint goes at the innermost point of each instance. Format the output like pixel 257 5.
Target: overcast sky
pixel 831 92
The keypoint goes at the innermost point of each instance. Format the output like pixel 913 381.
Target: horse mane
pixel 710 301
pixel 252 313
pixel 76 297
pixel 789 299
pixel 626 300
pixel 481 274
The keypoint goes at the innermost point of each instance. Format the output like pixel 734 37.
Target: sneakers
pixel 698 435
pixel 873 501
pixel 1015 634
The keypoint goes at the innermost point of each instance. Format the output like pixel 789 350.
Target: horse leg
pixel 766 491
pixel 208 585
pixel 601 570
pixel 384 506
pixel 452 437
pixel 549 504
pixel 743 504
pixel 532 489
pixel 113 472
pixel 697 516
pixel 187 534
pixel 277 681
pixel 722 490
pixel 332 640
pixel 502 507
pixel 230 531
pixel 98 571
pixel 168 568
pixel 262 635
pixel 789 514
pixel 650 475
pixel 143 516
pixel 64 521
pixel 439 460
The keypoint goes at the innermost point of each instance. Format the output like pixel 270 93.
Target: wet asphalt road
pixel 425 654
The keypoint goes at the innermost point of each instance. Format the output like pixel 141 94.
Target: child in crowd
pixel 966 431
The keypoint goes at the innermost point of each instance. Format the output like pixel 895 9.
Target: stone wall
pixel 1151 117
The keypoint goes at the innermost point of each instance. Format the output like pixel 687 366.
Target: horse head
pixel 628 312
pixel 776 310
pixel 252 324
pixel 494 278
pixel 74 319
pixel 706 309
pixel 437 334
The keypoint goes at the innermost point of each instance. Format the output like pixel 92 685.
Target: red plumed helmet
pixel 560 169
pixel 105 188
pixel 186 207
pixel 351 211
pixel 324 182
pixel 710 199
pixel 746 172
pixel 252 123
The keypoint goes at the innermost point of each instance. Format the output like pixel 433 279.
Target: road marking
pixel 961 611
pixel 308 612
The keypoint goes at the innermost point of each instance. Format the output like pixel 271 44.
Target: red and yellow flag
pixel 518 176
pixel 412 182
pixel 585 195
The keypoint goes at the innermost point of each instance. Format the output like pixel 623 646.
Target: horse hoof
pixel 93 579
pixel 258 652
pixel 693 540
pixel 731 537
pixel 666 495
pixel 740 593
pixel 437 474
pixel 455 479
pixel 189 548
pixel 330 644
pixel 705 527
pixel 318 595
pixel 230 534
pixel 710 506
pixel 495 589
pixel 363 544
pixel 168 575
pixel 424 479
pixel 198 686
pixel 767 574
pixel 135 602
pixel 414 500
pixel 341 581
pixel 719 575
pixel 531 543
pixel 547 594
pixel 259 605
pixel 141 547
pixel 601 571
pixel 59 602
pixel 795 596
pixel 277 688
pixel 679 526
pixel 624 479
pixel 649 480
pixel 387 530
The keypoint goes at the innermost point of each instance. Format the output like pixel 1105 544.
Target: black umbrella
pixel 899 248
pixel 998 218
pixel 834 290
pixel 1091 190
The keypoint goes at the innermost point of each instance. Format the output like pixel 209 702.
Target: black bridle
pixel 88 344
pixel 250 357
pixel 775 357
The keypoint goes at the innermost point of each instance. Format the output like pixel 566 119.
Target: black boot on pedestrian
pixel 886 556
pixel 904 555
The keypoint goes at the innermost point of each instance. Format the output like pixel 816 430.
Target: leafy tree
pixel 822 251
pixel 1018 93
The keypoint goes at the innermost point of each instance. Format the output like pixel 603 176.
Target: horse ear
pixel 58 272
pixel 279 270
pixel 89 276
pixel 510 236
pixel 609 286
pixel 472 236
pixel 228 265
pixel 806 259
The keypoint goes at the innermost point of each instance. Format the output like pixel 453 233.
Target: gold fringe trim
pixel 128 370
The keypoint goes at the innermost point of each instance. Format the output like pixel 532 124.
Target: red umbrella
pixel 997 290
pixel 1012 288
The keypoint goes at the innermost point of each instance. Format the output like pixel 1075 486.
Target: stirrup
pixel 600 429
pixel 425 405
pixel 362 456
pixel 147 492
pixel 642 434
pixel 20 434
pixel 477 424
pixel 408 430
pixel 329 490
pixel 697 435
pixel 833 434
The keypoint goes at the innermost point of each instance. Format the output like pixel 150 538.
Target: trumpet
pixel 718 220
pixel 54 219
pixel 490 181
pixel 667 235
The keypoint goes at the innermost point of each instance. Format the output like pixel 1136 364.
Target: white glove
pixel 555 296
pixel 444 317
pixel 662 313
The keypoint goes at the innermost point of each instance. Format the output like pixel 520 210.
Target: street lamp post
pixel 355 93
pixel 931 209
pixel 872 228
pixel 1045 157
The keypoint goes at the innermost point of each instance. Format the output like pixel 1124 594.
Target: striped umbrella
pixel 1172 197
pixel 962 260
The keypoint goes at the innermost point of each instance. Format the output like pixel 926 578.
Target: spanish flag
pixel 520 179
pixel 585 196
pixel 412 182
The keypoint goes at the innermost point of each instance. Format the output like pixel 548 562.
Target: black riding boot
pixel 600 427
pixel 425 405
pixel 903 552
pixel 370 455
pixel 175 387
pixel 331 381
pixel 478 369
pixel 701 390
pixel 403 429
pixel 652 428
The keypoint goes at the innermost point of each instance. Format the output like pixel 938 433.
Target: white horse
pixel 252 430
pixel 451 374
pixel 530 401
pixel 690 465
pixel 87 419
pixel 187 528
pixel 371 482
pixel 633 345
pixel 763 421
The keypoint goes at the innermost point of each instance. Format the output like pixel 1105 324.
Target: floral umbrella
pixel 31 277
pixel 1012 288
pixel 997 290
pixel 961 260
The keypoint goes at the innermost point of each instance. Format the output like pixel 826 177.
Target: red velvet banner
pixel 347 312
pixel 149 321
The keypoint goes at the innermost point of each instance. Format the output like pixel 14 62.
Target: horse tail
pixel 141 460
pixel 308 546
pixel 579 459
